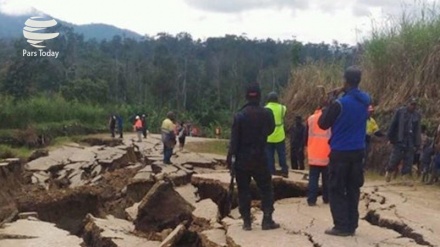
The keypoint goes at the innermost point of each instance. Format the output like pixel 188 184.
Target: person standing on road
pixel 168 137
pixel 137 127
pixel 182 131
pixel 297 143
pixel 144 125
pixel 120 126
pixel 372 130
pixel 318 150
pixel 276 141
pixel 347 118
pixel 250 129
pixel 112 125
pixel 405 136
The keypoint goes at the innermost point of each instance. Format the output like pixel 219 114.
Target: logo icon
pixel 34 30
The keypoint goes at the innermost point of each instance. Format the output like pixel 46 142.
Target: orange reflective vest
pixel 138 125
pixel 318 148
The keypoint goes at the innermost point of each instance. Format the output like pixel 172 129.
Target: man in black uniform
pixel 251 126
pixel 297 142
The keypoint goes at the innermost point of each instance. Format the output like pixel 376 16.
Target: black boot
pixel 247 224
pixel 268 223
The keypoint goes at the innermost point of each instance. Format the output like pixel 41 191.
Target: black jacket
pixel 405 128
pixel 250 129
pixel 297 135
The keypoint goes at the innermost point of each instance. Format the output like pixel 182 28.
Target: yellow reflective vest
pixel 279 111
pixel 372 126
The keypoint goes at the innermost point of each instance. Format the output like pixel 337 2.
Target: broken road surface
pixel 119 193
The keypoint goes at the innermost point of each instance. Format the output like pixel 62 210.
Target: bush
pixel 6 152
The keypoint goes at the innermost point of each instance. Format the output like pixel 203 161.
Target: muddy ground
pixel 115 192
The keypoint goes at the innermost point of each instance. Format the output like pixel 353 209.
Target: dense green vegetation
pixel 202 81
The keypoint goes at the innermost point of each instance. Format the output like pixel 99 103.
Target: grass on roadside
pixel 219 147
pixel 6 151
pixel 61 140
pixel 9 152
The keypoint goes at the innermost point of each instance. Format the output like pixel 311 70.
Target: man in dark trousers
pixel 297 141
pixel 405 135
pixel 112 125
pixel 250 129
pixel 144 125
pixel 347 118
pixel 120 126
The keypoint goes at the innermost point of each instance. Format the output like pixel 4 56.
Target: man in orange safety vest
pixel 318 150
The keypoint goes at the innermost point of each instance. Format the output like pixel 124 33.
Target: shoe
pixel 247 225
pixel 285 175
pixel 168 163
pixel 311 204
pixel 268 223
pixel 325 201
pixel 336 232
pixel 388 177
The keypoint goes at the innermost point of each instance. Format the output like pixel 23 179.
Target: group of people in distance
pixel 115 124
pixel 171 131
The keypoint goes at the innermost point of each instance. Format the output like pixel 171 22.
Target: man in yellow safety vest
pixel 276 141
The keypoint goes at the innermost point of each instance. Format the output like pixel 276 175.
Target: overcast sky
pixel 346 21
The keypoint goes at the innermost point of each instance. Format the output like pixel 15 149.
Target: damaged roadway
pixel 118 193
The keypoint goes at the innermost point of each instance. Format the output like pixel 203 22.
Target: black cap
pixel 272 97
pixel 253 92
pixel 353 76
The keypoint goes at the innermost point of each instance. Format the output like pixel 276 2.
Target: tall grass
pixel 402 60
pixel 302 95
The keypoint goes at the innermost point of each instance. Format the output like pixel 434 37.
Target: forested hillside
pixel 11 27
pixel 203 80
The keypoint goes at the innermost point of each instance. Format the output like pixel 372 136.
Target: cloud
pixel 388 7
pixel 237 6
pixel 17 7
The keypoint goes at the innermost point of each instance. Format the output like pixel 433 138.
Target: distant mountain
pixel 11 26
pixel 102 31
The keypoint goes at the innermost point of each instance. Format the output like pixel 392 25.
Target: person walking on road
pixel 297 143
pixel 405 136
pixel 276 140
pixel 318 150
pixel 250 129
pixel 347 118
pixel 168 137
